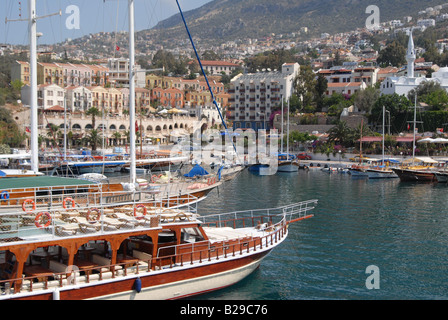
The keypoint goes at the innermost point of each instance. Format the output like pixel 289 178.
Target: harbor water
pixel 399 228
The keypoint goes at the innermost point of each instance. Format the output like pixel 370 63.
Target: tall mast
pixel 281 149
pixel 33 87
pixel 132 91
pixel 384 112
pixel 415 123
pixel 287 134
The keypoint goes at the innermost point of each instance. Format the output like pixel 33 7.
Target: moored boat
pixel 135 252
pixel 420 169
pixel 441 176
pixel 380 172
pixel 415 174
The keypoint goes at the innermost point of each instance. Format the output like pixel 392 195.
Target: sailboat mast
pixel 384 112
pixel 281 149
pixel 132 92
pixel 33 87
pixel 415 123
pixel 287 134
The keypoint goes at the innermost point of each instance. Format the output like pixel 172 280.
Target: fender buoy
pixel 93 220
pixel 145 211
pixel 4 195
pixel 138 285
pixel 28 201
pixel 37 220
pixel 64 203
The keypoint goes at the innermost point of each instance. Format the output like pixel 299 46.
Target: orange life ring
pixel 64 203
pixel 153 178
pixel 37 222
pixel 145 211
pixel 28 201
pixel 93 220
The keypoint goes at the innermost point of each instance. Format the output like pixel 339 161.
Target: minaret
pixel 410 57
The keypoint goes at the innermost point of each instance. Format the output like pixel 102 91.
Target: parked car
pixel 303 156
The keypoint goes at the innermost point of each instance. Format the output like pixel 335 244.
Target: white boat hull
pixel 377 174
pixel 188 287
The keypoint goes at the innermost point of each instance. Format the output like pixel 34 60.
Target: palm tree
pixel 94 139
pixel 53 133
pixel 117 136
pixel 341 133
pixel 94 112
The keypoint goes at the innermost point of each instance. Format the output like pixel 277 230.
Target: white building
pixel 48 96
pixel 78 99
pixel 254 95
pixel 219 67
pixel 119 73
pixel 426 23
pixel 402 85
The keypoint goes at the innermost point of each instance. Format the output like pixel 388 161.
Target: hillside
pixel 231 19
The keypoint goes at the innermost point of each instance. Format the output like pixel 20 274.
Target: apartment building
pixel 49 73
pixel 119 73
pixel 48 96
pixel 62 74
pixel 78 98
pixel 254 96
pixel 219 67
pixel 21 71
pixel 171 97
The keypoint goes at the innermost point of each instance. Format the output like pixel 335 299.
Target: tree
pixel 94 112
pixel 393 55
pixel 320 89
pixel 164 59
pixel 10 133
pixel 117 136
pixel 336 103
pixel 305 87
pixel 395 104
pixel 94 139
pixel 341 134
pixel 365 99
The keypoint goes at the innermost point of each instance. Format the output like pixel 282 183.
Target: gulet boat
pixel 134 252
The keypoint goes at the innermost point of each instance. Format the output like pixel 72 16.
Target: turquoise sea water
pixel 401 228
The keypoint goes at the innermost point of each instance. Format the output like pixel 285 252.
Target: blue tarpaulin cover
pixel 197 170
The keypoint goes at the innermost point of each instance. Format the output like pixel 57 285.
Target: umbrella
pixel 174 110
pixel 430 140
pixel 440 140
pixel 163 111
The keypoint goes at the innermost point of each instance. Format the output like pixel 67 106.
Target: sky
pixel 83 17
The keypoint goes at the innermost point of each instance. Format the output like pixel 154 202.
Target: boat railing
pixel 99 213
pixel 184 255
pixel 239 219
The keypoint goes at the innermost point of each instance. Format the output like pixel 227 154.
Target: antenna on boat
pixel 32 19
pixel 202 69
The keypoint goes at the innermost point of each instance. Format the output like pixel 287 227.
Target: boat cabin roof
pixel 41 181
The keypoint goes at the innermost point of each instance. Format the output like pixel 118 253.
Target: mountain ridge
pixel 230 19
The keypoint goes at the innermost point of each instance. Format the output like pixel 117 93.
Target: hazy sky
pixel 94 16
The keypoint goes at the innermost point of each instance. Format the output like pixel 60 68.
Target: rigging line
pixel 152 14
pixel 51 23
pixel 203 72
pixel 116 29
